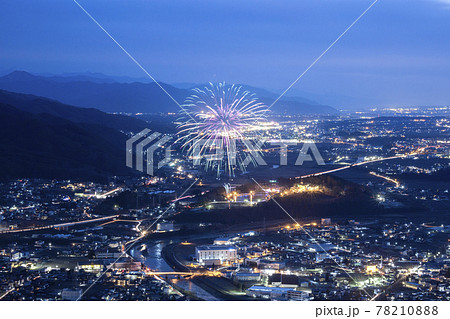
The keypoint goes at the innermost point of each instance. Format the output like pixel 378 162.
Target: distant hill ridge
pixel 114 97
pixel 43 138
pixel 45 146
pixel 37 104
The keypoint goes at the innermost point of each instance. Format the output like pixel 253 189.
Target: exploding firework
pixel 219 125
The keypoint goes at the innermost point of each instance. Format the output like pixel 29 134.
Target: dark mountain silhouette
pixel 129 97
pixel 44 138
pixel 45 146
pixel 36 104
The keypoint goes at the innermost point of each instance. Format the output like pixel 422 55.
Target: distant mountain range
pixel 114 97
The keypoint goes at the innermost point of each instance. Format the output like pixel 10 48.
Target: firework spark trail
pixel 221 119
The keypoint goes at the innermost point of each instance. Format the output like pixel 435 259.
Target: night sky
pixel 399 53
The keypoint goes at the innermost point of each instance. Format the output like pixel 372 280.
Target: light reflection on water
pixel 155 261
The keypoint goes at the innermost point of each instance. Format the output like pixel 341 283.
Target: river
pixel 156 262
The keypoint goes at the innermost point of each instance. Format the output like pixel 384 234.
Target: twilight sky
pixel 399 53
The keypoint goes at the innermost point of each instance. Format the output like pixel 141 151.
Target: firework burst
pixel 218 126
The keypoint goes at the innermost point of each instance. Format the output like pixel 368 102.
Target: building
pixel 270 264
pixel 247 276
pixel 165 226
pixel 108 253
pixel 90 266
pixel 222 241
pixel 16 256
pixel 271 293
pixel 126 264
pixel 278 293
pixel 71 294
pixel 284 281
pixel 215 255
pixel 322 246
pixel 298 295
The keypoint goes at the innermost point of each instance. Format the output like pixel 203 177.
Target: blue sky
pixel 398 54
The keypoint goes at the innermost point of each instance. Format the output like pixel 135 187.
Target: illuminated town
pixel 372 224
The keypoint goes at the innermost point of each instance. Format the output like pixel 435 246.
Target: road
pixel 358 164
pixel 56 226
